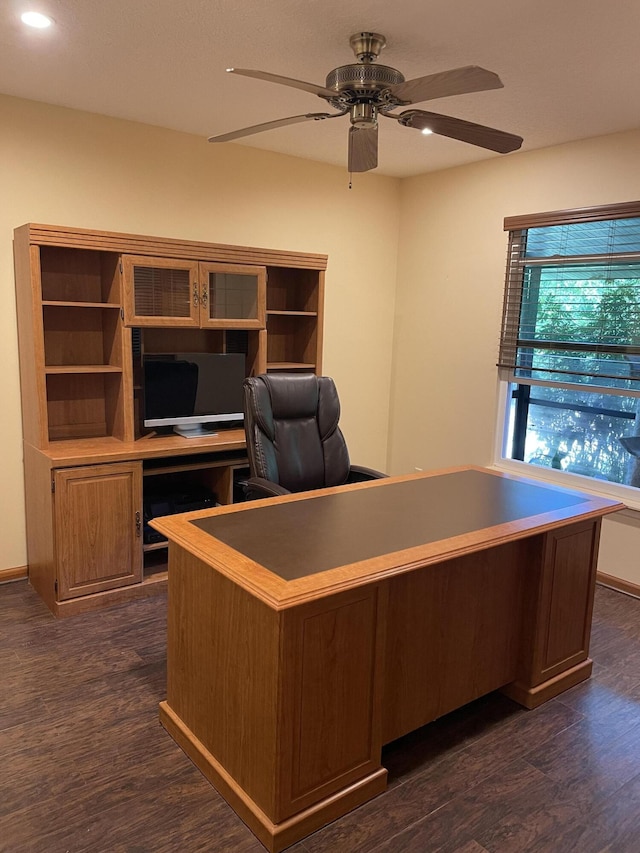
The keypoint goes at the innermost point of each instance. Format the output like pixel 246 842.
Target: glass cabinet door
pixel 232 296
pixel 160 291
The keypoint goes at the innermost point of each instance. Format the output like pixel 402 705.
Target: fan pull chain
pixel 350 181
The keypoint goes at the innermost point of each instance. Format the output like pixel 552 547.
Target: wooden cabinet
pixel 160 291
pixel 232 296
pixel 90 305
pixel 166 292
pixel 98 524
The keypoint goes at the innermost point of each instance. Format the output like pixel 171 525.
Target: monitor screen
pixel 187 390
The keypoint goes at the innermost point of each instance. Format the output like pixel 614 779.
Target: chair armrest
pixel 358 474
pixel 258 487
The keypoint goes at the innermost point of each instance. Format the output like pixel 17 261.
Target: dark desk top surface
pixel 301 538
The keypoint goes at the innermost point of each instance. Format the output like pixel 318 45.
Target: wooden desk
pixel 307 631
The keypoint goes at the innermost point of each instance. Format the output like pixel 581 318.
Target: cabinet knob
pixel 195 294
pixel 205 295
pixel 138 524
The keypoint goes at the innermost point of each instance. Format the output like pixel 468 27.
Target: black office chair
pixel 294 443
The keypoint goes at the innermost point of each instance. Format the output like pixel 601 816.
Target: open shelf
pixel 81 335
pixel 289 365
pixel 294 313
pixel 58 303
pixel 293 290
pixel 83 403
pixel 155 568
pixel 81 368
pixel 79 276
pixel 155 546
pixel 196 465
pixel 291 338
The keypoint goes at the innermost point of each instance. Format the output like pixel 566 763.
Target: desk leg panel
pixel 569 586
pixel 557 621
pixel 274 836
pixel 279 709
pixel 332 669
pixel 222 672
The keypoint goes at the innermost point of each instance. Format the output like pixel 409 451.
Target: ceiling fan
pixel 364 91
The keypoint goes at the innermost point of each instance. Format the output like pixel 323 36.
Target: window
pixel 570 342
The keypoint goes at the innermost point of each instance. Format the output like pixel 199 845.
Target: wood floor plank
pixel 613 826
pixel 597 700
pixel 595 758
pixel 506 794
pixel 172 814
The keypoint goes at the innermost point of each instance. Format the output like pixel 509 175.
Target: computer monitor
pixel 188 390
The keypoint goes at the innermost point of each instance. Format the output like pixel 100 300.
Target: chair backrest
pixel 291 425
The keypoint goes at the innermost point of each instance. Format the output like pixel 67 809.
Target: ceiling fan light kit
pixel 364 91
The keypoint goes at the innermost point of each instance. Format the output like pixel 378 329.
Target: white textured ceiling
pixel 570 68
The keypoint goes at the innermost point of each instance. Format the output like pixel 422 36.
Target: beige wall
pixel 71 168
pixel 452 253
pixel 439 236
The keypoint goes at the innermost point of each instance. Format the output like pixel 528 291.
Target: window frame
pixel 630 495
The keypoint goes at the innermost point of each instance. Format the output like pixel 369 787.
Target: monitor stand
pixel 192 431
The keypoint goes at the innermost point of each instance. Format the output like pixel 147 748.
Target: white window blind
pixel 572 298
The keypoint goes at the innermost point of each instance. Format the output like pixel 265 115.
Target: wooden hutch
pixel 90 304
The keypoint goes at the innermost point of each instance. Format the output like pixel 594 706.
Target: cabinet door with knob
pixel 232 296
pixel 160 291
pixel 98 524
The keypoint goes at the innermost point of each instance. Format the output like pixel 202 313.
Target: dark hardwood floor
pixel 85 765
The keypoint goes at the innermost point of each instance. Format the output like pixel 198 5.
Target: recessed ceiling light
pixel 35 19
pixel 426 131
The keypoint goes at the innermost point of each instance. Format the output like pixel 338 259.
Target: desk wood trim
pixel 280 594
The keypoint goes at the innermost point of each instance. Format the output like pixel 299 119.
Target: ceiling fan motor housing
pixel 364 89
pixel 363 79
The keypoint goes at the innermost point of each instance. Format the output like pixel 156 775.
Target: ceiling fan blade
pixel 458 81
pixel 321 91
pixel 363 148
pixel 457 128
pixel 271 125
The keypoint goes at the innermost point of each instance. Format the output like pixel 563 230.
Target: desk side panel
pixel 331 700
pixel 222 672
pixel 557 620
pixel 569 585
